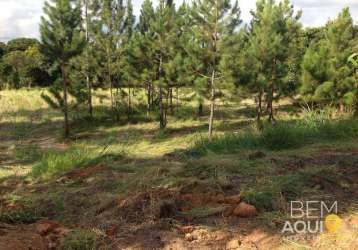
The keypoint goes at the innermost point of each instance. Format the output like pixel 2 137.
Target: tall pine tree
pixel 214 21
pixel 274 48
pixel 61 40
pixel 326 75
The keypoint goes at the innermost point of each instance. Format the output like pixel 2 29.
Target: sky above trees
pixel 20 18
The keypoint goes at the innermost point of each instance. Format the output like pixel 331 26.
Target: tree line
pixel 203 47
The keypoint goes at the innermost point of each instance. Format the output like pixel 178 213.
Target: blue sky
pixel 20 18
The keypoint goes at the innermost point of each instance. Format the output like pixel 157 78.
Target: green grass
pixel 282 136
pixel 202 212
pixel 80 239
pixel 25 210
pixel 27 153
pixel 55 163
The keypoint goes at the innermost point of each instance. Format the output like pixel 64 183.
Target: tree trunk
pixel 356 103
pixel 89 89
pixel 162 118
pixel 149 99
pixel 89 85
pixel 341 107
pixel 152 96
pixel 200 109
pixel 161 109
pixel 129 103
pixel 177 99
pixel 171 101
pixel 212 104
pixel 109 77
pixel 65 103
pixel 259 108
pixel 270 106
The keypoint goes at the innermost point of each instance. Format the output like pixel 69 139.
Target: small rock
pixel 245 210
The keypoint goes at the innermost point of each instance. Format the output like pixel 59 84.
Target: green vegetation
pixel 80 240
pixel 284 135
pixel 56 163
pixel 138 172
pixel 138 133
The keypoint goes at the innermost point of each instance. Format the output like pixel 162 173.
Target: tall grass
pixel 284 135
pixel 55 163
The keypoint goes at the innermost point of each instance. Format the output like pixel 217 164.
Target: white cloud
pixel 20 18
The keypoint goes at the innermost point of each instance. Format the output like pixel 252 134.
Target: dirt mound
pixel 42 235
pixel 183 204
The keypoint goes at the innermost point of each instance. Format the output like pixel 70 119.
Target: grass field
pixel 129 185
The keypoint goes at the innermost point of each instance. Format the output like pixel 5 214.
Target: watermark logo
pixel 333 223
pixel 312 217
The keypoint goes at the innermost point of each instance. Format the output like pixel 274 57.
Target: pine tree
pixel 339 35
pixel 326 74
pixel 109 29
pixel 125 63
pixel 180 68
pixel 274 47
pixel 61 40
pixel 153 52
pixel 214 20
pixel 87 27
pixel 163 28
pixel 140 55
pixel 315 74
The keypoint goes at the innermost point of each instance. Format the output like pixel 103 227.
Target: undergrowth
pixel 284 135
pixel 80 240
pixel 55 163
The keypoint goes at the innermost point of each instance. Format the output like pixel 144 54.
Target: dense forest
pixel 202 47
